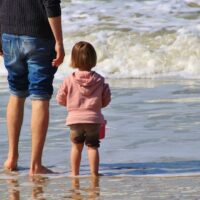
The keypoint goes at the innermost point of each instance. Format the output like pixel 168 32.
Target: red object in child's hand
pixel 102 130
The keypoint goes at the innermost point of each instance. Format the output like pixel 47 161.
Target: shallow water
pixel 151 149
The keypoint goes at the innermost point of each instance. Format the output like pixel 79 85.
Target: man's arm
pixel 53 11
pixel 55 23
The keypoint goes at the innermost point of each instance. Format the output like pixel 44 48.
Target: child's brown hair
pixel 83 56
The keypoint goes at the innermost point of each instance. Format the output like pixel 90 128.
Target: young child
pixel 84 93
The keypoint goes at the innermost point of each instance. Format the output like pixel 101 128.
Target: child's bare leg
pixel 15 112
pixel 76 151
pixel 93 157
pixel 39 126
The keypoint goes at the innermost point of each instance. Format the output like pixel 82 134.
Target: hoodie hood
pixel 87 81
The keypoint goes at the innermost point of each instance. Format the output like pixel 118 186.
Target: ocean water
pixel 148 50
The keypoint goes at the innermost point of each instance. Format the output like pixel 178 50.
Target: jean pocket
pixel 38 47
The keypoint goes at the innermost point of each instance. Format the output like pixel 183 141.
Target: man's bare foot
pixel 40 170
pixel 10 165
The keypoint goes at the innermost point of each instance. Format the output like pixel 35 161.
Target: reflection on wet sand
pixel 90 193
pixel 39 187
pixel 39 183
pixel 13 189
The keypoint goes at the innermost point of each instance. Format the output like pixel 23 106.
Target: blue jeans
pixel 28 61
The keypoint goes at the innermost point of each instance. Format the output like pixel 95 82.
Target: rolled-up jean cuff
pixel 40 97
pixel 20 94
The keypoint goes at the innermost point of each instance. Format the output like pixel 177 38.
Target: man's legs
pixel 32 77
pixel 15 111
pixel 40 54
pixel 39 126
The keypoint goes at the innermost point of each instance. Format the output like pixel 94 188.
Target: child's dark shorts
pixel 85 133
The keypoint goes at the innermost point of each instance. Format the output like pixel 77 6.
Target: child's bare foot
pixel 10 165
pixel 40 170
pixel 93 174
pixel 73 175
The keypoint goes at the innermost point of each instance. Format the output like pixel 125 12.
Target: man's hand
pixel 60 54
pixel 55 24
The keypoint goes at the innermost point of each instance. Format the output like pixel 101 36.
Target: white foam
pixel 163 43
pixel 131 40
pixel 177 100
pixel 197 2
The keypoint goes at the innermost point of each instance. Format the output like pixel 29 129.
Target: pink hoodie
pixel 84 93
